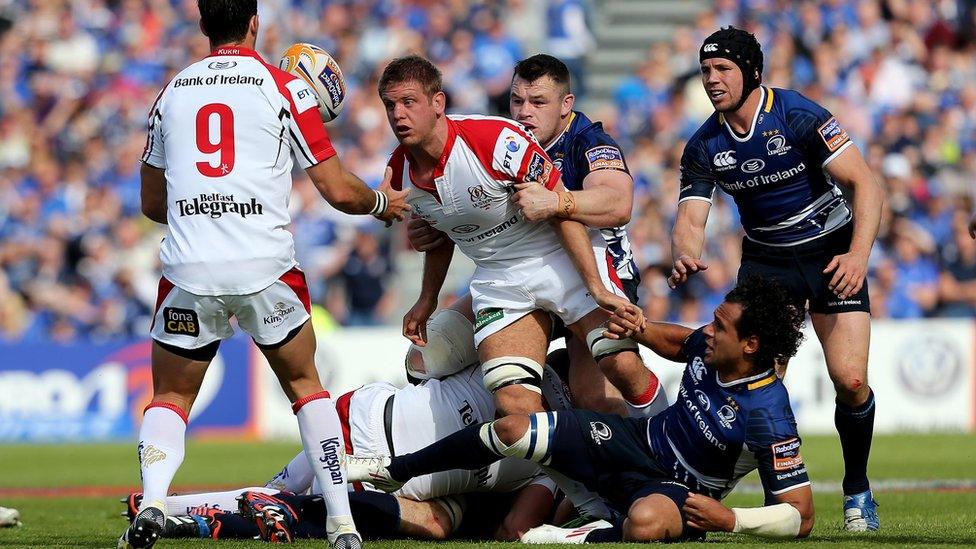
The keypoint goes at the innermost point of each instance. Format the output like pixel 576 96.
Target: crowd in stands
pixel 78 261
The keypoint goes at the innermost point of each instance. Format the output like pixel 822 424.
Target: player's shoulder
pixel 473 127
pixel 707 134
pixel 767 395
pixel 791 105
pixel 585 133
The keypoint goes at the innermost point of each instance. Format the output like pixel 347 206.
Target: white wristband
pixel 381 203
pixel 773 521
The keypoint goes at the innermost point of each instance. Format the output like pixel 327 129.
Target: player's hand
pixel 624 322
pixel 397 206
pixel 972 227
pixel 632 320
pixel 415 321
pixel 684 267
pixel 535 201
pixel 422 236
pixel 849 271
pixel 708 514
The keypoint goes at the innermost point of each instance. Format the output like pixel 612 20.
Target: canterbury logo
pixel 151 455
pixel 724 159
pixel 710 47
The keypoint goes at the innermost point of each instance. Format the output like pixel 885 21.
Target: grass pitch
pixel 67 495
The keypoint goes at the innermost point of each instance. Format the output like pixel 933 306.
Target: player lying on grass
pixel 379 418
pixel 667 473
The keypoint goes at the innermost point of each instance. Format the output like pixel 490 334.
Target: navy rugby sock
pixel 855 427
pixel 461 450
pixel 377 515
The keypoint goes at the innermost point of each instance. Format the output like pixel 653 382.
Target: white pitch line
pixel 883 485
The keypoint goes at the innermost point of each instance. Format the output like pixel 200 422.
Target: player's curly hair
pixel 769 314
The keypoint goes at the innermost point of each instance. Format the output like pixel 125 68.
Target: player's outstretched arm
pixel 576 242
pixel 665 339
pixel 605 201
pixel 792 517
pixel 849 269
pixel 436 264
pixel 350 195
pixel 153 192
pixel 687 240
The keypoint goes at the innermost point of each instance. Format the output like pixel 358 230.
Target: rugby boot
pixel 132 503
pixel 344 536
pixel 144 530
pixel 861 513
pixel 371 469
pixel 548 533
pixel 274 518
pixel 9 517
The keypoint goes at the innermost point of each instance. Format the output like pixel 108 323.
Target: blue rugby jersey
pixel 775 173
pixel 716 433
pixel 584 147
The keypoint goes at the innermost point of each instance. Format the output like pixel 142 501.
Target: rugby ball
pixel 321 72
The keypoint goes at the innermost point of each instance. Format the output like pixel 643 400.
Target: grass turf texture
pixel 62 519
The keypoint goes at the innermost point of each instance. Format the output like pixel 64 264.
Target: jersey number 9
pixel 225 139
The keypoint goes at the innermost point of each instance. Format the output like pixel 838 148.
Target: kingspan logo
pixel 216 205
pixel 278 315
pixel 330 459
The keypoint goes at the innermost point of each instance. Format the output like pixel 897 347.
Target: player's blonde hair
pixel 412 68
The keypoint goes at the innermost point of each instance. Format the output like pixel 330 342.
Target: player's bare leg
pixel 507 350
pixel 846 338
pixel 320 429
pixel 621 363
pixel 502 357
pixel 652 518
pixel 591 389
pixel 176 383
pixel 435 519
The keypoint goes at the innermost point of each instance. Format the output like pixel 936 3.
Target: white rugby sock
pixel 296 477
pixel 225 501
pixel 652 402
pixel 161 447
pixel 321 431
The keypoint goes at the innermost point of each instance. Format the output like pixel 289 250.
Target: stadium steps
pixel 624 29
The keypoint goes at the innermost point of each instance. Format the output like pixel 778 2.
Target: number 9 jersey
pixel 224 130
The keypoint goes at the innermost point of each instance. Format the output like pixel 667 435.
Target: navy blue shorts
pixel 611 456
pixel 800 268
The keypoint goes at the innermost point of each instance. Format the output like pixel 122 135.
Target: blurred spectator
pixel 78 260
pixel 366 278
pixel 569 39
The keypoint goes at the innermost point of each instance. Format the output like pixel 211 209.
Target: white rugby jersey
pixel 225 129
pixel 428 412
pixel 473 183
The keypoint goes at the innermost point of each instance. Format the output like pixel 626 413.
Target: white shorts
pixel 550 283
pixel 190 321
